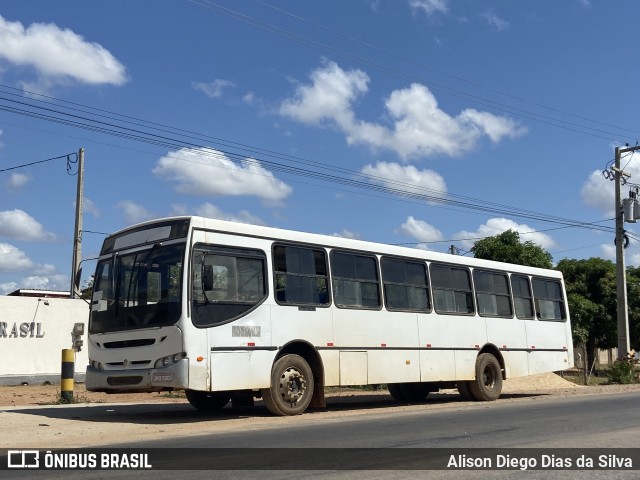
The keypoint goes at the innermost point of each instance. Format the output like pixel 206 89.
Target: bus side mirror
pixel 207 278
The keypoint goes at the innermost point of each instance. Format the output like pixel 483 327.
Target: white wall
pixel 33 332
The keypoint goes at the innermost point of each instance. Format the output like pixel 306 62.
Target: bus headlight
pixel 96 365
pixel 169 360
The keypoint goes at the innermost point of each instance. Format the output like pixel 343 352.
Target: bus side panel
pixel 241 370
pixel 516 364
pixel 549 346
pixel 462 335
pixel 290 323
pixel 510 336
pixel 331 363
pixel 393 366
pixel 437 365
pixel 353 368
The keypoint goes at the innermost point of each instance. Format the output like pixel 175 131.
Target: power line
pixel 67 156
pixel 436 70
pixel 169 137
pixel 570 126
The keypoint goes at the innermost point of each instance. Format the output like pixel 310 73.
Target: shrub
pixel 622 371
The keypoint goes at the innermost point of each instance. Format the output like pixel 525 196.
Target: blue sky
pixel 501 105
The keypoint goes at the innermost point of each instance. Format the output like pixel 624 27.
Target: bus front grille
pixel 120 381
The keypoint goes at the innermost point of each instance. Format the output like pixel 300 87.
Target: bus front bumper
pixel 174 376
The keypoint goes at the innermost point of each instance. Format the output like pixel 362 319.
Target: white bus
pixel 229 311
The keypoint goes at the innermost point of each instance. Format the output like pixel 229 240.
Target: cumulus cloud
pixel 213 89
pixel 12 259
pixel 598 192
pixel 418 126
pixel 134 212
pixel 210 172
pixel 211 211
pixel 408 178
pixel 59 55
pixel 421 231
pixel 495 226
pixel 89 207
pixel 19 225
pixel 429 7
pixel 17 180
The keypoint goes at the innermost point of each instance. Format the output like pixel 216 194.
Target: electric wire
pixel 67 156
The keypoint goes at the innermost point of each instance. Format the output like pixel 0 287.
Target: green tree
pixel 507 247
pixel 591 294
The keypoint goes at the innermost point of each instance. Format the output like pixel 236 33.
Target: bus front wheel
pixel 488 383
pixel 291 386
pixel 207 400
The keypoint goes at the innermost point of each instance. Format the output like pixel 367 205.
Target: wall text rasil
pixel 21 330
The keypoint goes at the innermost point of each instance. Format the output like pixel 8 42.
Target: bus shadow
pixel 183 413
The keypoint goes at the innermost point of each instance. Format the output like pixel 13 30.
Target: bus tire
pixel 415 391
pixel 396 392
pixel 464 389
pixel 488 383
pixel 291 386
pixel 207 400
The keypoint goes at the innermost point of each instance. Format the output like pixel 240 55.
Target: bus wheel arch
pixel 296 352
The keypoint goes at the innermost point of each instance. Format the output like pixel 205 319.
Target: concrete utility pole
pixel 77 235
pixel 621 273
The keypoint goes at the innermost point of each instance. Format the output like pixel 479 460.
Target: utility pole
pixel 621 273
pixel 77 235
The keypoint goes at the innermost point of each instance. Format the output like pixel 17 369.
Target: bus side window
pixel 548 299
pixel 355 280
pixel 405 285
pixel 452 292
pixel 521 288
pixel 492 294
pixel 301 275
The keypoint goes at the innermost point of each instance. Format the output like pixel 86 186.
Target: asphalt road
pixel 581 422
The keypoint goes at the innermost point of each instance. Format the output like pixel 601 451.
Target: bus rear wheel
pixel 409 392
pixel 488 383
pixel 291 386
pixel 207 400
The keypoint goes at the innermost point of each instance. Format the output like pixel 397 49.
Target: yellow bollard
pixel 66 375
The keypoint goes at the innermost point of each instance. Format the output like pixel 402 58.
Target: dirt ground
pixel 31 395
pixel 35 420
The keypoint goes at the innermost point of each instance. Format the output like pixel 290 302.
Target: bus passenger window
pixel 355 280
pixel 405 285
pixel 522 296
pixel 301 275
pixel 548 299
pixel 452 291
pixel 492 294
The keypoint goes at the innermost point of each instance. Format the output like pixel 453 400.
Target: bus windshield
pixel 138 290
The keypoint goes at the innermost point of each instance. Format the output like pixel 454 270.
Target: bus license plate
pixel 163 377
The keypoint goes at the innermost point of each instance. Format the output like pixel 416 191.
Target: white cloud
pixel 346 234
pixel 495 226
pixel 51 282
pixel 8 287
pixel 407 178
pixel 59 55
pixel 418 126
pixel 89 207
pixel 494 21
pixel 211 211
pixel 134 212
pixel 19 225
pixel 12 259
pixel 420 231
pixel 17 180
pixel 210 172
pixel 598 192
pixel 213 89
pixel 429 6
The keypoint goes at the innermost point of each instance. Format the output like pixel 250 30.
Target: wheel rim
pixel 489 377
pixel 293 386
